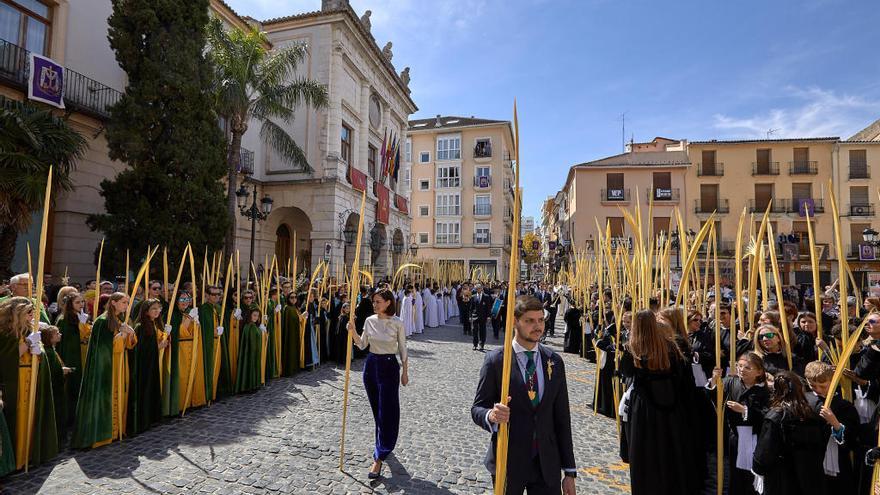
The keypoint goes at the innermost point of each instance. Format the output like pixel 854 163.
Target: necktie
pixel 532 378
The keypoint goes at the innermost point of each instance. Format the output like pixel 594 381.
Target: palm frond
pixel 280 141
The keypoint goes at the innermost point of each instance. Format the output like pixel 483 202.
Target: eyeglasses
pixel 767 336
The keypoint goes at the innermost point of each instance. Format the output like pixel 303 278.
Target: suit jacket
pixel 482 309
pixel 550 422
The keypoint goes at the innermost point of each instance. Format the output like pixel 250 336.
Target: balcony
pixel 483 150
pixel 859 170
pixel 81 93
pixel 794 206
pixel 663 195
pixel 803 168
pixel 246 165
pixel 765 168
pixel 614 195
pixel 778 205
pixel 482 239
pixel 482 182
pixel 861 210
pixel 482 210
pixel 719 206
pixel 710 170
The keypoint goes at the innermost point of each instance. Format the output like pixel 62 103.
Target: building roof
pixel 450 122
pixel 870 133
pixel 784 140
pixel 371 41
pixel 644 158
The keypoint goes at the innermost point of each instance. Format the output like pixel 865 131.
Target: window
pixel 763 195
pixel 482 172
pixel 448 233
pixel 614 187
pixel 858 164
pixel 449 177
pixel 616 226
pixel 482 177
pixel 483 148
pixel 482 204
pixel 423 210
pixel 448 204
pixel 481 233
pixel 407 151
pixel 424 185
pixel 423 237
pixel 407 178
pixel 662 186
pixel 425 157
pixel 371 161
pixel 26 24
pixel 449 148
pixel 346 139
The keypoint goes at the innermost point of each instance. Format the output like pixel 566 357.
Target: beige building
pixel 368 98
pixel 462 191
pixel 596 190
pixel 726 177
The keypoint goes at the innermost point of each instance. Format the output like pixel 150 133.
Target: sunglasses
pixel 767 336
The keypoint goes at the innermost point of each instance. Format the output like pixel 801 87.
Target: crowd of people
pixel 657 375
pixel 101 377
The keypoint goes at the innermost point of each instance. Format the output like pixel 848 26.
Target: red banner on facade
pixel 357 179
pixel 401 204
pixel 382 207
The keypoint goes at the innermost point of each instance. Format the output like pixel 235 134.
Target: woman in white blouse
pixel 384 333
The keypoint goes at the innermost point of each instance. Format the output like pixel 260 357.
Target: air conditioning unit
pixel 859 210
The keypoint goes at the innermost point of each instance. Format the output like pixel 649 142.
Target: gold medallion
pixel 532 395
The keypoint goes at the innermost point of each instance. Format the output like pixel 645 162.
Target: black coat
pixel 845 481
pixel 550 421
pixel 483 308
pixel 790 453
pixel 660 417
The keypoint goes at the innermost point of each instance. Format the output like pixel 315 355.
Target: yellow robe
pixel 120 386
pixel 192 372
pixel 85 331
pixel 24 400
pixel 234 333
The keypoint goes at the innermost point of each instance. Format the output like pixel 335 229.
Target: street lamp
pixel 252 212
pixel 413 246
pixel 869 235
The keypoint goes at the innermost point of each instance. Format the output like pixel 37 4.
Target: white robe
pixel 453 304
pixel 441 308
pixel 407 315
pixel 398 298
pixel 430 309
pixel 418 309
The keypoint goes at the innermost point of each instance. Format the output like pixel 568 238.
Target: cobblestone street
pixel 285 438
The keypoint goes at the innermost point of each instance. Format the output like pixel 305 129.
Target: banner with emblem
pixel 46 81
pixel 357 179
pixel 401 204
pixel 382 207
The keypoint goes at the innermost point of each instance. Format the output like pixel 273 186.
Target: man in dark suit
pixel 481 309
pixel 463 299
pixel 540 445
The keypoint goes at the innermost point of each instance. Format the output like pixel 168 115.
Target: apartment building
pixel 462 191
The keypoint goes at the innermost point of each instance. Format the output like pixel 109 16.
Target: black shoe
pixel 371 475
pixel 482 348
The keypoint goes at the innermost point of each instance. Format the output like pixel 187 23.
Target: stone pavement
pixel 285 438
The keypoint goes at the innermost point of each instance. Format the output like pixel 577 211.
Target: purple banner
pixel 46 81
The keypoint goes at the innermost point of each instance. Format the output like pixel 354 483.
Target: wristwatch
pixel 571 474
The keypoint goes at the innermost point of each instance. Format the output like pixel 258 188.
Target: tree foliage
pixel 31 140
pixel 166 129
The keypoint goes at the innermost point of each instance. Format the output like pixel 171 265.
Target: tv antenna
pixel 771 132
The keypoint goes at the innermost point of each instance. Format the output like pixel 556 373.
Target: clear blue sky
pixel 692 69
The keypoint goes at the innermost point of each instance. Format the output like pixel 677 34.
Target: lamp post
pixel 253 212
pixel 413 246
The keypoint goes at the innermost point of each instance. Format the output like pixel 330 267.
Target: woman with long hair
pixel 73 324
pixel 791 446
pixel 145 391
pixel 386 337
pixel 746 399
pixel 19 345
pixel 658 412
pixel 100 411
pixel 606 342
pixel 768 344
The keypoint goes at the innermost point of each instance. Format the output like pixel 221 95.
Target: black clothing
pixel 790 453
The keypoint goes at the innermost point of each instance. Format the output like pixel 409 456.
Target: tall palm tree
pixel 254 83
pixel 31 140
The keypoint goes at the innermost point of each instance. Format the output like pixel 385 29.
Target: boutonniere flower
pixel 550 369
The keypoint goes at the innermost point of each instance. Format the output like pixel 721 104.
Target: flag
pixel 396 162
pixel 383 152
pixel 390 160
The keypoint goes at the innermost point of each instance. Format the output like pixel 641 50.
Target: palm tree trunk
pixel 233 161
pixel 8 236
